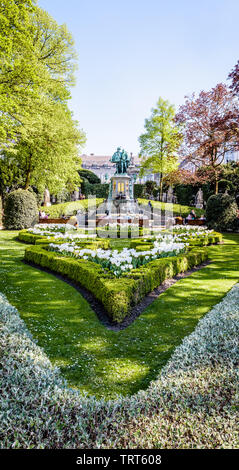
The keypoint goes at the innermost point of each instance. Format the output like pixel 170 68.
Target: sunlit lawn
pixel 101 361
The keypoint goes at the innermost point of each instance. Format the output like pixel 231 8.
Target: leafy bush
pixel 221 212
pixel 89 175
pixel 99 190
pixel 139 190
pixel 20 210
pixel 185 193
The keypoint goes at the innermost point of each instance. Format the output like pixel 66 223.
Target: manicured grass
pixel 97 360
pixel 67 208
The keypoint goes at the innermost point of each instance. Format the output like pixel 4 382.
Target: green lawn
pixel 177 209
pixel 97 360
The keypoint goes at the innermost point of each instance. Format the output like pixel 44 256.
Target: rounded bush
pixel 221 212
pixel 20 210
pixel 90 176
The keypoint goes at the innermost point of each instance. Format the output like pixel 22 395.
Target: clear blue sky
pixel 133 51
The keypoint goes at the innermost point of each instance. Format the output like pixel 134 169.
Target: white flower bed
pixel 62 231
pixel 193 404
pixel 190 232
pixel 125 260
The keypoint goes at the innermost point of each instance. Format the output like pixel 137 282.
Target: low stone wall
pixel 54 221
pixel 180 221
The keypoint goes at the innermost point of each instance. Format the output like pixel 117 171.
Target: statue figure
pixel 170 194
pixel 199 199
pixel 46 198
pixel 120 157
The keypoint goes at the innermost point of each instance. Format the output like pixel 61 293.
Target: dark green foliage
pixel 221 212
pixel 116 295
pixel 185 193
pixel 20 210
pixel 156 192
pixel 89 175
pixel 91 184
pixel 0 211
pixel 99 190
pixel 139 190
pixel 208 190
pixel 150 186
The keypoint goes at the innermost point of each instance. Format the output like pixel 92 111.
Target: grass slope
pixel 68 208
pixel 177 209
pixel 99 361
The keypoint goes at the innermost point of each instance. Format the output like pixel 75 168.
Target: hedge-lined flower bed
pixel 118 262
pixel 117 295
pixel 193 404
pixel 84 240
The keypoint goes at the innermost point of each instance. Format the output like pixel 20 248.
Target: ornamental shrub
pixel 221 212
pixel 99 190
pixel 139 190
pixel 185 193
pixel 20 210
pixel 90 176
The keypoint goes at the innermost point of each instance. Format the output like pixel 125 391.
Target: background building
pixel 105 169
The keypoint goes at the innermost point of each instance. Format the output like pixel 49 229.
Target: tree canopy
pixel 210 127
pixel 38 134
pixel 159 143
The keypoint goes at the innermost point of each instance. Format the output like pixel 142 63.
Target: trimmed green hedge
pixel 34 239
pixel 213 239
pixel 137 242
pixel 146 244
pixel 116 295
pixel 27 237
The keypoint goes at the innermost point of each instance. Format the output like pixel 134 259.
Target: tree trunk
pixel 27 182
pixel 216 182
pixel 161 187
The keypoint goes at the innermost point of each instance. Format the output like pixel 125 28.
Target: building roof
pixel 100 160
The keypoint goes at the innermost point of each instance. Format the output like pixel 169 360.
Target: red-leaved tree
pixel 210 127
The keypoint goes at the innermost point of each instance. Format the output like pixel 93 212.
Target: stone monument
pixel 170 194
pixel 46 198
pixel 199 199
pixel 121 185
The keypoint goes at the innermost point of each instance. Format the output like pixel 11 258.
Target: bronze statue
pixel 122 161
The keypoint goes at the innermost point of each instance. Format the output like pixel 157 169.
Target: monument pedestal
pixel 121 187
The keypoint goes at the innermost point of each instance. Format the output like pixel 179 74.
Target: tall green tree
pixel 160 142
pixel 39 135
pixel 16 30
pixel 47 153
